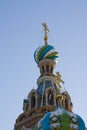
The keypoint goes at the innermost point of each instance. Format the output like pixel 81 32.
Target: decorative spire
pixel 58 76
pixel 45 33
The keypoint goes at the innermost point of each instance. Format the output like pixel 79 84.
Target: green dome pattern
pixel 46 52
pixel 60 120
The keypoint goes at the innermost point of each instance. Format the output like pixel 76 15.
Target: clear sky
pixel 21 33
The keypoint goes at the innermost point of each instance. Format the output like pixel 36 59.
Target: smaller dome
pixel 60 119
pixel 46 52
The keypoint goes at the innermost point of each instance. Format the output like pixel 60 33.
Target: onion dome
pixel 60 119
pixel 46 52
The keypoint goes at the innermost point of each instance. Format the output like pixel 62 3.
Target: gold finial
pixel 59 99
pixel 45 33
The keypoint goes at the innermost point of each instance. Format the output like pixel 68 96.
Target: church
pixel 48 107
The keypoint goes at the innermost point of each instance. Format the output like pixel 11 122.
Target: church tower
pixel 48 107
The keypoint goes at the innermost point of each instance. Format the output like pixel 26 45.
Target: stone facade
pixel 43 99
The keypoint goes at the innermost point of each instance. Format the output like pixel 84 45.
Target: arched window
pixel 33 101
pixel 43 69
pixel 39 101
pixel 47 68
pixel 66 103
pixel 51 69
pixel 50 98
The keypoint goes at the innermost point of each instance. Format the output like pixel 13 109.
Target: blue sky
pixel 21 33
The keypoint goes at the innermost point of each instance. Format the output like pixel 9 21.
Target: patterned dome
pixel 60 119
pixel 46 52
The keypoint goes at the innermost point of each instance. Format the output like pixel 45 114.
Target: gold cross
pixel 45 32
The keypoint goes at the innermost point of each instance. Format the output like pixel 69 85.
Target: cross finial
pixel 59 99
pixel 45 33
